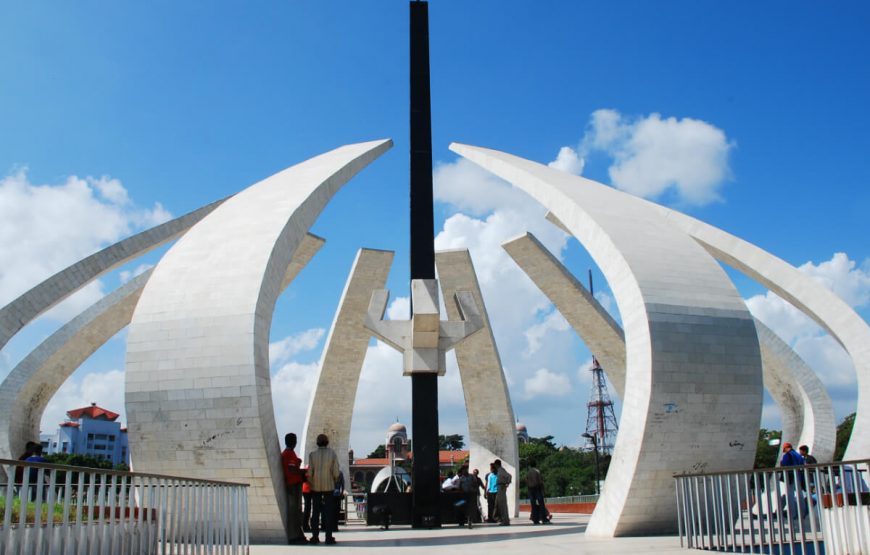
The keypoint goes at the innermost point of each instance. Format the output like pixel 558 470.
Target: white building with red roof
pixel 92 431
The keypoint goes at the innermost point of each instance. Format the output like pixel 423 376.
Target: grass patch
pixel 30 512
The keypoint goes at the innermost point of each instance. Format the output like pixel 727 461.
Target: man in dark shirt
pixel 535 483
pixel 805 453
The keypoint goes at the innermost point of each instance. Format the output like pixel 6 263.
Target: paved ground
pixel 564 535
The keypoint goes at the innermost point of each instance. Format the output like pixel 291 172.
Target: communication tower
pixel 601 426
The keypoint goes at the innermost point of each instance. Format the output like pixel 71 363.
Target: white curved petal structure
pixel 27 389
pixel 806 408
pixel 693 368
pixel 61 285
pixel 198 385
pixel 491 431
pixel 33 382
pixel 589 319
pixel 802 291
pixel 331 408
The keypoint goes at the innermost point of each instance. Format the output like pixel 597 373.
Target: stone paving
pixel 564 535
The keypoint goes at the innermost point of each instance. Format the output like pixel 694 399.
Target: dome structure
pixel 522 433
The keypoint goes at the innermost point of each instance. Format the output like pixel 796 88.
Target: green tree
pixel 380 452
pixel 765 453
pixel 453 442
pixel 844 432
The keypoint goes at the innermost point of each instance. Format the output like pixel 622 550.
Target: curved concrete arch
pixel 595 326
pixel 331 408
pixel 693 367
pixel 809 296
pixel 28 388
pixel 806 408
pixel 198 383
pixel 491 431
pixel 64 283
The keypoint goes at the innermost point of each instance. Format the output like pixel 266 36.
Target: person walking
pixel 479 486
pixel 535 483
pixel 503 480
pixel 469 488
pixel 293 478
pixel 322 474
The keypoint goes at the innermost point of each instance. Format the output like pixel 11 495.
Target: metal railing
pixel 66 510
pixel 810 509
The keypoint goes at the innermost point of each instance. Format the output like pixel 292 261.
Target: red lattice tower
pixel 600 418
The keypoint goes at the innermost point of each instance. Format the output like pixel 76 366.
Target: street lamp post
pixel 595 448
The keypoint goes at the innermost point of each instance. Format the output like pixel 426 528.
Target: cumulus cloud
pixel 104 388
pixel 534 335
pixel 282 350
pixel 292 388
pixel 652 156
pixel 44 228
pixel 545 383
pixel 127 275
pixel 568 161
pixel 821 351
pixel 473 190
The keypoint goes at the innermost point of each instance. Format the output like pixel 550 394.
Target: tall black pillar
pixel 424 387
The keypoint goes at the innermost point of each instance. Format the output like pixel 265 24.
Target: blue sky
pixel 761 111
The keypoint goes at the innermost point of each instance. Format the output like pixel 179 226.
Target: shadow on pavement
pixel 459 536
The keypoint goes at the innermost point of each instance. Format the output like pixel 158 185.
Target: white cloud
pixel 292 388
pixel 127 275
pixel 652 156
pixel 840 275
pixel 44 228
pixel 472 189
pixel 283 349
pixel 818 349
pixel 547 384
pixel 569 161
pixel 104 388
pixel 110 189
pixel 399 309
pixel 554 321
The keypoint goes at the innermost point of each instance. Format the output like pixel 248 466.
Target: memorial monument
pixel 689 360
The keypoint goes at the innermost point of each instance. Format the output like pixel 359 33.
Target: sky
pixel 752 117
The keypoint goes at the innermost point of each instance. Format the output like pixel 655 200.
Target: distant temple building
pixel 398 448
pixel 90 431
pixel 522 433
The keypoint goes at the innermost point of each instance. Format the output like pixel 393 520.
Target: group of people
pixel 494 486
pixel 322 478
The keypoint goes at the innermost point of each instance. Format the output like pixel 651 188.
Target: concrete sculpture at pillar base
pixel 685 408
pixel 198 390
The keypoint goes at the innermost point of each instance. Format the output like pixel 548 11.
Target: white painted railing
pixel 65 510
pixel 811 509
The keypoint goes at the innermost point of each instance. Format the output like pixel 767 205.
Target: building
pixel 522 433
pixel 398 448
pixel 92 431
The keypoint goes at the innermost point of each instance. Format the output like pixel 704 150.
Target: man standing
pixel 805 453
pixel 491 493
pixel 503 480
pixel 322 474
pixel 535 483
pixel 293 478
pixel 790 457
